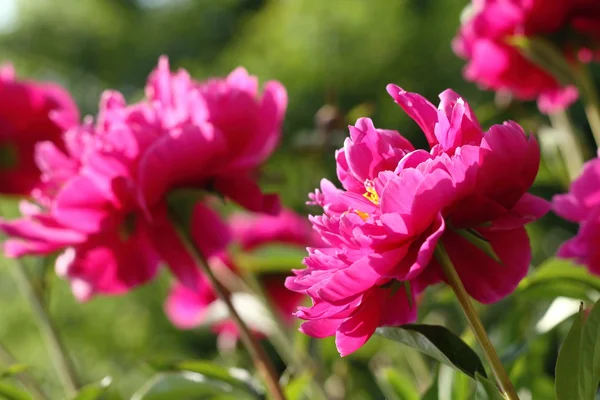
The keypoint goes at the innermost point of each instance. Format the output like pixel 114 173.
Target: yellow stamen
pixel 363 215
pixel 372 195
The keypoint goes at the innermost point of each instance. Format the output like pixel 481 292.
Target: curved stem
pixel 56 348
pixel 28 382
pixel 257 353
pixel 455 283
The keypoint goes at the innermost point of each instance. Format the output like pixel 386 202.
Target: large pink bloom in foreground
pixel 103 200
pixel 484 38
pixel 30 112
pixel 398 204
pixel 582 205
pixel 188 308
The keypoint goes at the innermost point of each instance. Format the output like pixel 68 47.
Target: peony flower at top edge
pixel 381 236
pixel 30 112
pixel 102 199
pixel 492 62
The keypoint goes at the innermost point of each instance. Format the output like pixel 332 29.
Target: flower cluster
pixel 493 62
pixel 102 199
pixel 29 112
pixel 191 308
pixel 468 194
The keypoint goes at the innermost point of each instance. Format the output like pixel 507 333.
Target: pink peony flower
pixel 30 112
pixel 582 205
pixel 188 308
pixel 467 193
pixel 103 200
pixel 493 63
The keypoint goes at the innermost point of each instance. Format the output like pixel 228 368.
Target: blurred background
pixel 335 57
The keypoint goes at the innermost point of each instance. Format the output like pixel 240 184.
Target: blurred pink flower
pixel 103 199
pixel 582 205
pixel 188 308
pixel 470 187
pixel 30 112
pixel 493 63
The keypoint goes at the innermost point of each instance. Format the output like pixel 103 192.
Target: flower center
pixel 371 195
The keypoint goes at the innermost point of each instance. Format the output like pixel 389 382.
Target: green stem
pixel 589 96
pixel 257 353
pixel 282 343
pixel 56 348
pixel 568 143
pixel 455 283
pixel 26 380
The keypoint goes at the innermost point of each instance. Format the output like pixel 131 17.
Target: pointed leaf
pixel 238 378
pixel 566 383
pixel 13 370
pixel 95 391
pixel 9 392
pixel 439 343
pixel 487 390
pixel 187 385
pixel 559 271
pixel 297 388
pixel 433 390
pixel 590 354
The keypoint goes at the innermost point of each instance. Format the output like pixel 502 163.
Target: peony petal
pixel 530 208
pixel 361 276
pixel 320 328
pixel 398 309
pixel 173 252
pixel 354 332
pixel 109 265
pixel 210 233
pixel 83 206
pixel 485 279
pixel 246 192
pixel 185 308
pixel 178 161
pixel 418 108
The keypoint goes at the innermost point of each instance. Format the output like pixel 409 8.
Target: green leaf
pixel 9 392
pixel 590 354
pixel 551 289
pixel 13 370
pixel 95 391
pixel 394 386
pixel 188 386
pixel 432 392
pixel 297 388
pixel 486 389
pixel 559 271
pixel 567 365
pixel 209 369
pixel 439 343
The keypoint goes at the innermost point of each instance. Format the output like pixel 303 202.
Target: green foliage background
pixel 336 52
